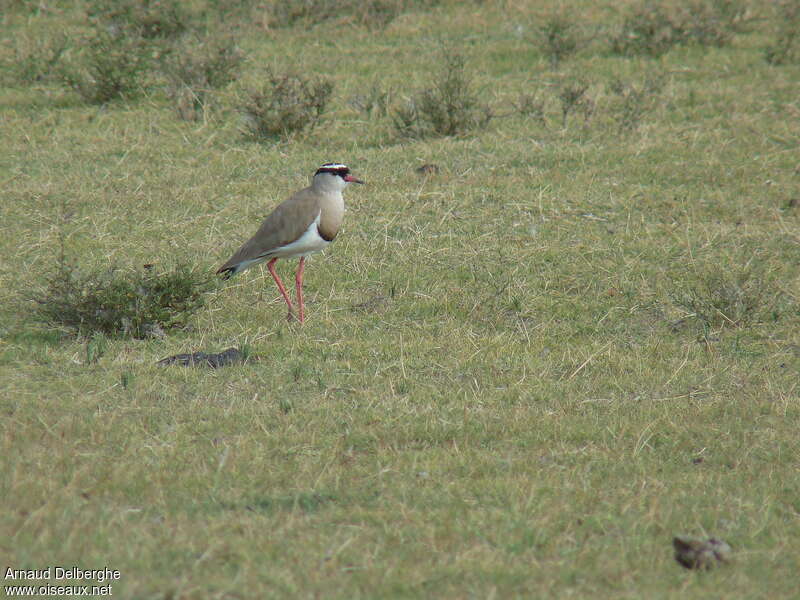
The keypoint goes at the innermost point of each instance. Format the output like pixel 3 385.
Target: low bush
pixel 149 19
pixel 785 45
pixel 558 38
pixel 572 95
pixel 647 29
pixel 731 296
pixel 108 67
pixel 374 103
pixel 200 67
pixel 653 28
pixel 631 102
pixel 287 103
pixel 532 106
pixel 371 13
pixel 37 59
pixel 449 107
pixel 118 302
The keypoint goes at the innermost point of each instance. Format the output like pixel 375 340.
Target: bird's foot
pixel 292 318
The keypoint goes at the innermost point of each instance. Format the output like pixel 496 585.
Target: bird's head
pixel 334 175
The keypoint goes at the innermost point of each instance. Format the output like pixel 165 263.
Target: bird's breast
pixel 331 216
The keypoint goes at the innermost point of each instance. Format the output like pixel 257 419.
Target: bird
pixel 303 224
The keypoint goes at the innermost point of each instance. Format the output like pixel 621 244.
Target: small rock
pixel 231 356
pixel 694 553
pixel 428 169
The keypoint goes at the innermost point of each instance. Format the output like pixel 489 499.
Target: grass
pixel 499 390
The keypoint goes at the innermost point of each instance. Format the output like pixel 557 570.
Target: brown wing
pixel 284 225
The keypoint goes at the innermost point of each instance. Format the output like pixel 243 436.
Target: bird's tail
pixel 227 272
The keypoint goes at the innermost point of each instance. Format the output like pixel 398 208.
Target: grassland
pixel 519 376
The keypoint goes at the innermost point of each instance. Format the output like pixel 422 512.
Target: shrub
pixel 633 101
pixel 287 103
pixel 39 60
pixel 109 67
pixel 374 102
pixel 21 6
pixel 531 105
pixel 372 13
pixel 377 14
pixel 784 48
pixel 450 107
pixel 558 38
pixel 149 19
pixel 287 13
pixel 651 28
pixel 117 302
pixel 572 95
pixel 731 296
pixel 211 63
pixel 647 29
pixel 735 14
pixel 226 11
pixel 709 22
pixel 198 69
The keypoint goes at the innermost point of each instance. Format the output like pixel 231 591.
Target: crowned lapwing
pixel 303 224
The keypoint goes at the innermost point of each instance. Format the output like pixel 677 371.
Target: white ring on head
pixel 333 166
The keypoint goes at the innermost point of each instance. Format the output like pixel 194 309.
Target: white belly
pixel 306 244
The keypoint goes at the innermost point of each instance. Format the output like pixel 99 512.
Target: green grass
pixel 501 389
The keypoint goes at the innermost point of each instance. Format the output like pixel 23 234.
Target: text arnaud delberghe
pixel 58 573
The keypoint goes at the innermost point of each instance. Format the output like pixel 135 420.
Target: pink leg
pixel 271 267
pixel 298 284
